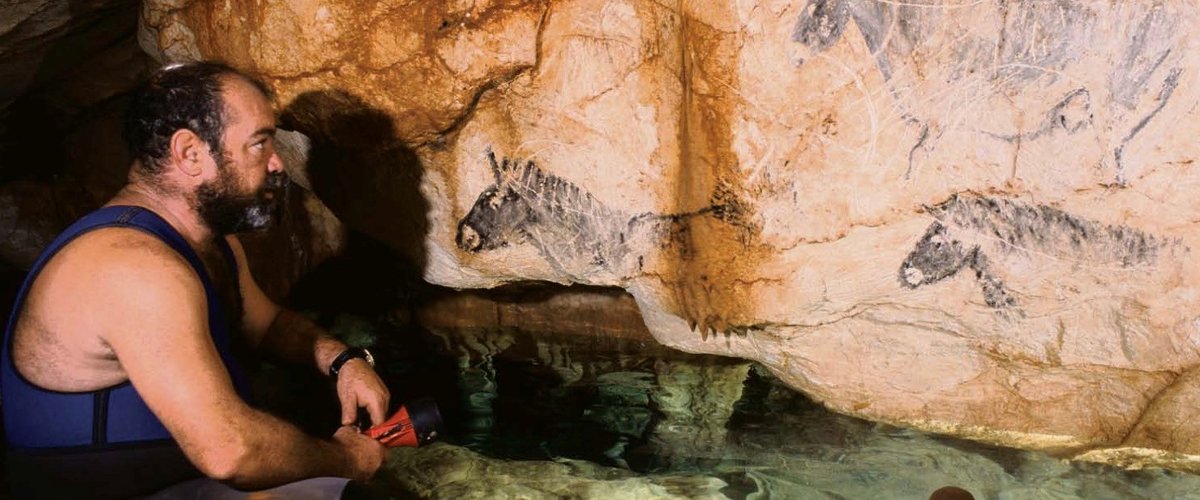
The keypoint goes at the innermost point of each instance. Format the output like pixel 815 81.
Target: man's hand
pixel 366 454
pixel 358 386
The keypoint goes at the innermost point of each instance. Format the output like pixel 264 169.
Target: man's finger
pixel 349 410
pixel 378 410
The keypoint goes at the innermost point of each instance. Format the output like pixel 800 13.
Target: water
pixel 587 415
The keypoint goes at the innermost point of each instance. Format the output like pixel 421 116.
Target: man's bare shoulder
pixel 124 264
pixel 124 239
pixel 123 248
pixel 102 287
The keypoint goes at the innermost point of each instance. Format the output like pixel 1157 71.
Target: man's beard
pixel 226 211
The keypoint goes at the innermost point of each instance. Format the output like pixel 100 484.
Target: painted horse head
pixel 500 215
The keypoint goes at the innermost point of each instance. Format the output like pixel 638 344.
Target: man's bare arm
pixel 297 339
pixel 151 309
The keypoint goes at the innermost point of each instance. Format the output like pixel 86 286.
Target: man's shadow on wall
pixel 358 167
pixel 370 180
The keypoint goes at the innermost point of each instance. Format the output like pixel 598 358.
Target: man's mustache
pixel 276 181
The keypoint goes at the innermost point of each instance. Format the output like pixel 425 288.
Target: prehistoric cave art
pixel 577 234
pixel 573 231
pixel 1014 227
pixel 1029 53
pixel 939 256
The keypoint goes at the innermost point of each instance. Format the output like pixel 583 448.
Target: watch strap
pixel 347 355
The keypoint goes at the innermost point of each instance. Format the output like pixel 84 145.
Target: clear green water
pixel 642 411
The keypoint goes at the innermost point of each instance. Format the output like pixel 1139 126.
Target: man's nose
pixel 275 164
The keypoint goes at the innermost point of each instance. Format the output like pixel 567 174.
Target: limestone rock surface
pixel 974 218
pixel 447 471
pixel 42 39
pixel 61 64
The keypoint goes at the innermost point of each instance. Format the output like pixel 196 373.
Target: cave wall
pixel 63 69
pixel 974 219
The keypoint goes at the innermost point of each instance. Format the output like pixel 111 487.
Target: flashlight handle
pixel 413 425
pixel 395 431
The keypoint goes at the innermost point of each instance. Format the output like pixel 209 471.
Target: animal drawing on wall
pixel 576 233
pixel 1022 230
pixel 1027 54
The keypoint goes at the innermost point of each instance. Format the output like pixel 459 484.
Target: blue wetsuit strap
pixel 100 417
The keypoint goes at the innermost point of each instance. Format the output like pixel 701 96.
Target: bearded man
pixel 117 370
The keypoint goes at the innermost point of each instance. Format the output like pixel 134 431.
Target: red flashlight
pixel 414 425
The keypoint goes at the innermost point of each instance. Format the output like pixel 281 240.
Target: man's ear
pixel 188 152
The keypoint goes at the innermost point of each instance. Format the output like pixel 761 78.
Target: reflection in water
pixel 632 419
pixel 695 401
pixel 476 381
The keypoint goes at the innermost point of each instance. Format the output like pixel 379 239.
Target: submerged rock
pixel 978 221
pixel 448 471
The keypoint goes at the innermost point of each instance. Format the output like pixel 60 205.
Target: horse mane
pixel 573 229
pixel 545 191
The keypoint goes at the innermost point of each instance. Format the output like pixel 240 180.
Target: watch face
pixel 370 359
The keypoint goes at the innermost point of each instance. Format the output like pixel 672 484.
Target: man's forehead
pixel 245 104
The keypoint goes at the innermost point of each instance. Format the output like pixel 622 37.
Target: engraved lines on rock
pixel 1164 94
pixel 576 233
pixel 1012 63
pixel 1018 229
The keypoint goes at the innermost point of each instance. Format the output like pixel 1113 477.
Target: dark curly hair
pixel 178 96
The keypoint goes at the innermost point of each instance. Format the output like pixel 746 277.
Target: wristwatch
pixel 347 355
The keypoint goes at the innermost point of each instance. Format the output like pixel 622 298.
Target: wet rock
pixel 605 315
pixel 977 221
pixel 447 471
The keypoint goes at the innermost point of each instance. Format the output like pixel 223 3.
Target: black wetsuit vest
pixel 95 441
